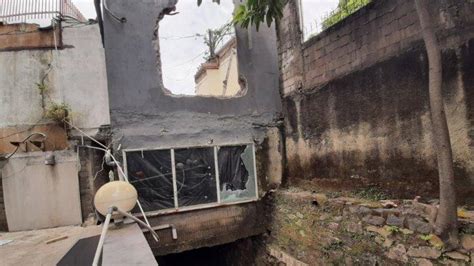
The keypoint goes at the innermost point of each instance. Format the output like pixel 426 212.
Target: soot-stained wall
pixel 356 97
pixel 144 116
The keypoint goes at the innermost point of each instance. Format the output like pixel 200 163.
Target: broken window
pixel 236 173
pixel 197 50
pixel 184 177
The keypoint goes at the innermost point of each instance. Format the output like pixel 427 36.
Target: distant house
pixel 219 76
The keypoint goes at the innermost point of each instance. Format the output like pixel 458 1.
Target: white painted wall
pixel 41 196
pixel 77 77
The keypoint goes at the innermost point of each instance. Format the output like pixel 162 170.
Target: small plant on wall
pixel 58 112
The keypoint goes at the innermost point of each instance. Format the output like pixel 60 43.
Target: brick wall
pixel 356 99
pixel 290 49
pixel 380 30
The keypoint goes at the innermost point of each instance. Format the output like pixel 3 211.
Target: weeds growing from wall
pixel 58 112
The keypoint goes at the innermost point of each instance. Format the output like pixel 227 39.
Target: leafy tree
pixel 344 9
pixel 255 12
pixel 214 38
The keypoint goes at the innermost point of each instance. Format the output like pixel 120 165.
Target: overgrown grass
pixel 371 193
pixel 344 9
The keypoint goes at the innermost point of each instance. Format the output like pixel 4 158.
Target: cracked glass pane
pixel 236 173
pixel 150 173
pixel 195 176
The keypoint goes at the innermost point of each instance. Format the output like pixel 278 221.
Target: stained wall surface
pixel 356 96
pixel 41 196
pixel 74 74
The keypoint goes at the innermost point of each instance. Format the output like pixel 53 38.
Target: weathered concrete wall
pixel 75 75
pixel 144 116
pixel 41 196
pixel 359 107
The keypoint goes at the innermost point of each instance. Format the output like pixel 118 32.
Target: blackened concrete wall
pixel 144 116
pixel 356 96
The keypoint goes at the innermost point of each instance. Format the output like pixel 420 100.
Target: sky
pixel 314 12
pixel 86 7
pixel 182 51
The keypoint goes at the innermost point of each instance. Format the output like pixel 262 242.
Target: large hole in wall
pixel 197 50
pixel 194 177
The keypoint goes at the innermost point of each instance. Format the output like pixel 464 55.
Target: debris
pixel 56 239
pixel 291 216
pixel 299 215
pixel 395 221
pixel 457 256
pixel 467 242
pixel 424 252
pixel 388 204
pixel 398 253
pixel 5 241
pixel 337 219
pixel 374 220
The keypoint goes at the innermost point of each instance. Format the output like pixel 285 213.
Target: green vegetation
pixel 59 112
pixel 393 229
pixel 255 12
pixel 344 9
pixel 371 193
pixel 41 87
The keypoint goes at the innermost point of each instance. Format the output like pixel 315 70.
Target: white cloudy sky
pixel 182 54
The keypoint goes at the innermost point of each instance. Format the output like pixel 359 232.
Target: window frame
pixel 219 202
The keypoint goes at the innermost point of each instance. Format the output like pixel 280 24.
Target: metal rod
pixel 174 233
pixel 155 235
pixel 175 186
pixel 216 166
pixel 105 227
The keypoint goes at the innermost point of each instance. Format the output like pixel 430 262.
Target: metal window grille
pixel 16 11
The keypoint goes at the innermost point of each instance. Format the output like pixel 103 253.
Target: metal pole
pixel 105 227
